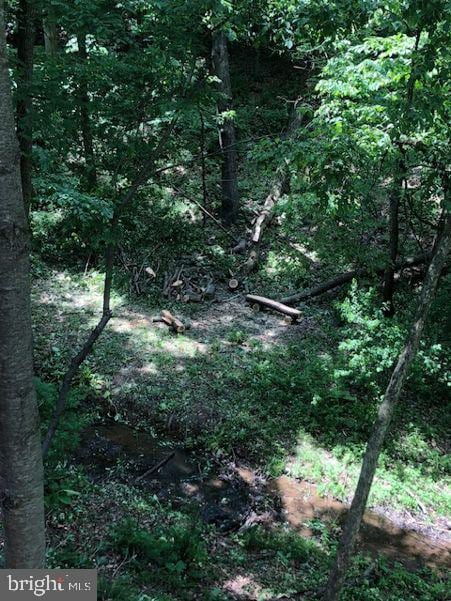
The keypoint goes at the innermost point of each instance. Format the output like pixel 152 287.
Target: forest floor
pixel 242 474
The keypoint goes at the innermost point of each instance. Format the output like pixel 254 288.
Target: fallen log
pixel 262 301
pixel 266 214
pixel 348 276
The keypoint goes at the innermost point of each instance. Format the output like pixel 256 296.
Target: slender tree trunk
pixel 85 121
pixel 21 474
pixel 396 195
pixel 446 182
pixel 391 397
pixel 50 31
pixel 227 138
pixel 203 165
pixel 25 48
pixel 110 254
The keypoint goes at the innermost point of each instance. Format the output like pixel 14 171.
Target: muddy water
pixel 106 447
pixel 302 503
pixel 115 450
pixel 136 458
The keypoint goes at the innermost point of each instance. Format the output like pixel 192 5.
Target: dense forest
pixel 224 296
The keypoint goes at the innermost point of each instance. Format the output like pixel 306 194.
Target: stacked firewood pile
pixel 141 274
pixel 192 281
pixel 189 284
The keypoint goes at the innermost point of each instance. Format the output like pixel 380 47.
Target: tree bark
pixel 391 398
pixel 21 473
pixel 50 31
pixel 227 137
pixel 85 120
pixel 24 108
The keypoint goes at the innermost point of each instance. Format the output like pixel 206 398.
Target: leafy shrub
pixel 63 483
pixel 67 556
pixel 287 546
pixel 372 343
pixel 67 435
pixel 177 549
pixel 67 223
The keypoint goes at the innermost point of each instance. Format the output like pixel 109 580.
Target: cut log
pixel 233 284
pixel 173 322
pixel 346 277
pixel 150 272
pixel 262 301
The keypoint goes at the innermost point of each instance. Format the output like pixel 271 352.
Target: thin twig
pixel 156 467
pixel 204 210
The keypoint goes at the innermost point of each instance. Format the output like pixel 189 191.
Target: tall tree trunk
pixel 446 184
pixel 391 397
pixel 21 474
pixel 85 121
pixel 227 138
pixel 50 31
pixel 25 48
pixel 396 194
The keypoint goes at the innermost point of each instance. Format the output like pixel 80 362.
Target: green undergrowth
pixel 146 550
pixel 304 404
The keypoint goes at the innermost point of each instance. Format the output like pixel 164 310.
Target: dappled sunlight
pixel 182 347
pixel 74 292
pixel 126 375
pixel 207 381
pixel 246 587
pixel 234 219
pixel 311 255
pixel 394 484
pixel 302 505
pixel 312 461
